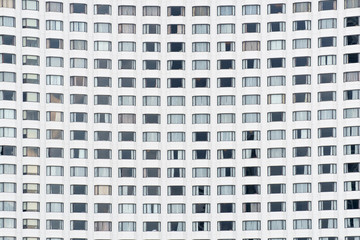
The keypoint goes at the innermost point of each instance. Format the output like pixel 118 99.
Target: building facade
pixel 177 120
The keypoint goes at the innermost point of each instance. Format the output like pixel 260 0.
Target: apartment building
pixel 174 120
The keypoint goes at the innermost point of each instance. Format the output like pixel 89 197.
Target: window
pixel 276 45
pixel 225 82
pixel 151 155
pixel 7 40
pixel 327 60
pixel 127 191
pixel 175 82
pixel 82 45
pixel 327 114
pixel 7 223
pixel 250 46
pixel 151 83
pixel 176 172
pixel 127 28
pixel 50 189
pixel 276 27
pixel 352 222
pixel 250 9
pixel 301 7
pixel 302 188
pixel 151 172
pixel 102 9
pixel 327 42
pixel 276 171
pixel 30 23
pixel 201 47
pixel 78 27
pixel 276 8
pixel 201 65
pixel 276 207
pixel 176 191
pixel 201 136
pixel 352 4
pixel 351 40
pixel 151 29
pixel 351 58
pixel 351 131
pixel 127 226
pixel 124 46
pixel 9 77
pixel 251 225
pixel 176 119
pixel 176 11
pixel 175 47
pixel 277 225
pixel 200 82
pixel 250 100
pixel 276 62
pixel 226 10
pixel 176 65
pixel 54 25
pixel 176 136
pixel 226 28
pixel 54 43
pixel 327 23
pixel 250 171
pixel 301 97
pixel 55 62
pixel 328 223
pixel 126 64
pixel 226 153
pixel 327 205
pixel 301 25
pixel 302 43
pixel 327 5
pixel 54 171
pixel 327 187
pixel 176 28
pixel 7 169
pixel 77 117
pixel 327 169
pixel 301 133
pixel 276 188
pixel 102 28
pixel 127 10
pixel 54 207
pixel 201 172
pixel 201 11
pixel 226 64
pixel 302 224
pixel 7 21
pixel 151 65
pixel 126 82
pixel 151 11
pixel 151 191
pixel 250 63
pixel 351 21
pixel 127 172
pixel 7 4
pixel 201 208
pixel 78 8
pixel 250 117
pixel 276 117
pixel 7 58
pixel 301 152
pixel 250 27
pixel 102 118
pixel 200 29
pixel 78 63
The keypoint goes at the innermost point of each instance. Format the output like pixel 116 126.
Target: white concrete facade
pixel 253 132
